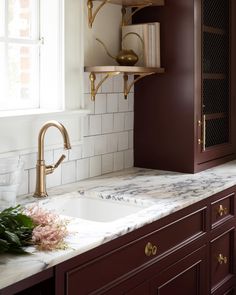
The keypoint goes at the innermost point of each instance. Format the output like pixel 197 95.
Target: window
pixel 30 54
pixel 53 36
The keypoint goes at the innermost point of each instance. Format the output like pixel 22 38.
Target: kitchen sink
pixel 92 208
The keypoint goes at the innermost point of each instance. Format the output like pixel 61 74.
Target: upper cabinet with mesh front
pixel 191 109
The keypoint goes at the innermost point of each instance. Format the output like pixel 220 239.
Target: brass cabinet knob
pixel 150 249
pixel 221 259
pixel 222 211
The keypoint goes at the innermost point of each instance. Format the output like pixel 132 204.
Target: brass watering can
pixel 126 57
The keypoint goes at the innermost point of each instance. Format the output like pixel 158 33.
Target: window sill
pixel 41 112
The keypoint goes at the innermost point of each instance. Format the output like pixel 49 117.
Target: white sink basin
pixel 92 208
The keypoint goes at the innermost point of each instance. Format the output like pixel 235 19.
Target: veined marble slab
pixel 165 192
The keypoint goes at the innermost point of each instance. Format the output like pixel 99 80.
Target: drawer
pixel 222 259
pixel 121 261
pixel 222 210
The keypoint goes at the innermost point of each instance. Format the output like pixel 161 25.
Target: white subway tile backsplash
pixel 95 124
pixel 32 180
pixel 88 147
pixel 118 161
pixel 100 144
pixel 123 141
pixel 29 160
pixel 107 163
pixel 75 153
pixel 24 186
pixel 68 172
pixel 131 102
pixel 95 166
pixel 48 157
pixel 119 122
pixel 54 179
pixel 86 126
pixel 112 102
pixel 101 103
pixel 129 121
pixel 107 123
pixel 123 103
pixel 89 104
pixel 131 139
pixel 82 169
pixel 129 158
pixel 112 142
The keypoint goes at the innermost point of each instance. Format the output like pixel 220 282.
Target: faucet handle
pixel 50 168
pixel 59 161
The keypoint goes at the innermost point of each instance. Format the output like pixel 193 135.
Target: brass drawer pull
pixel 150 249
pixel 221 259
pixel 222 211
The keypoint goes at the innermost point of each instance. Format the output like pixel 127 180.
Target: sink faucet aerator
pixel 41 168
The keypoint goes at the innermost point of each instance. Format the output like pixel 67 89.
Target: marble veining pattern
pixel 161 192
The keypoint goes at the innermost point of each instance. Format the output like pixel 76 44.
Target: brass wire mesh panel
pixel 215 61
pixel 217 131
pixel 216 13
pixel 215 53
pixel 215 96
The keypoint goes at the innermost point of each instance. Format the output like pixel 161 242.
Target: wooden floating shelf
pixel 135 3
pixel 111 71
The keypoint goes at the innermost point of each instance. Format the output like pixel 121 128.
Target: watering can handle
pixel 133 33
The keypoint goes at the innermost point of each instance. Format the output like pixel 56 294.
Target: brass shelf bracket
pixel 127 87
pixel 91 15
pixel 125 20
pixel 94 89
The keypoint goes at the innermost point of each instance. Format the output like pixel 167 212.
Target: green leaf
pixel 2 228
pixel 15 230
pixel 3 246
pixel 12 238
pixel 25 220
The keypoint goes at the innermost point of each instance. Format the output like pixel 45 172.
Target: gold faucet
pixel 41 169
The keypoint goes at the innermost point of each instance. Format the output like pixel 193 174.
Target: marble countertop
pixel 162 193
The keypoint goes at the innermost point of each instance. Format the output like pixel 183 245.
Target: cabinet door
pixel 183 278
pixel 217 92
pixel 222 259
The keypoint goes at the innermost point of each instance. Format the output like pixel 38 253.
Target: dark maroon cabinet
pixel 186 253
pixel 186 277
pixel 184 120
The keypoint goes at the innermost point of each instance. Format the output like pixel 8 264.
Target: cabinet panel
pixel 222 210
pixel 153 246
pixel 184 278
pixel 222 259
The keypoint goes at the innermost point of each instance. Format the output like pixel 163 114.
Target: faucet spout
pixel 41 169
